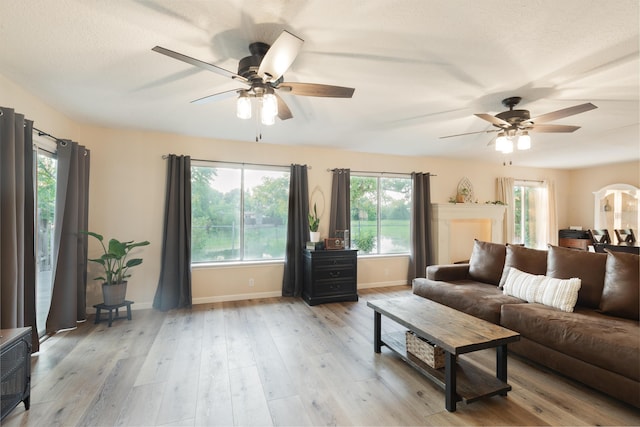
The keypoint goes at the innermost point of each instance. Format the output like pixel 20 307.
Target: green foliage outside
pixel 524 215
pixel 393 195
pixel 46 170
pixel 217 224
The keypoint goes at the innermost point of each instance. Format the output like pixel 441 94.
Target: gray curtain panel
pixel 421 251
pixel 17 238
pixel 339 215
pixel 174 285
pixel 297 232
pixel 68 296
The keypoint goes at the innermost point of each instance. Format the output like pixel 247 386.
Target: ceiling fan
pixel 261 75
pixel 513 124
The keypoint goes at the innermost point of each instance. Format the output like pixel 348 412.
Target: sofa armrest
pixel 448 272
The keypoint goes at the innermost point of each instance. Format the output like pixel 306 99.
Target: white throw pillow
pixel 558 293
pixel 521 285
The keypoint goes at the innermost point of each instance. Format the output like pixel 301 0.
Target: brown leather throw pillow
pixel 621 293
pixel 487 261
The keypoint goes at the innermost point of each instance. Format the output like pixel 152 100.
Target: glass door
pixel 46 173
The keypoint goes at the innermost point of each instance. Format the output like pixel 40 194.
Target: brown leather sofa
pixel 597 344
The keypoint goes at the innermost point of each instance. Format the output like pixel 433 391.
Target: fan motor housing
pixel 514 116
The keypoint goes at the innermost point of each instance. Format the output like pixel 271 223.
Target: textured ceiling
pixel 421 68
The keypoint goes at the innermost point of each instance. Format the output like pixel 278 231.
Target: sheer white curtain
pixel 504 193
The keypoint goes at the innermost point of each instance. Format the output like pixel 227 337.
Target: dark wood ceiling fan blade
pixel 314 89
pixel 199 64
pixel 280 56
pixel 553 128
pixel 284 113
pixel 493 120
pixel 565 112
pixel 470 133
pixel 216 96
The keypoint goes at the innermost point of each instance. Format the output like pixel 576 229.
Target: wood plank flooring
pixel 275 361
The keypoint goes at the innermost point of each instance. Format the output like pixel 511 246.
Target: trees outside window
pixel 46 178
pixel 380 214
pixel 238 213
pixel 530 214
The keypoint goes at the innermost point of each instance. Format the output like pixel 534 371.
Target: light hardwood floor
pixel 275 361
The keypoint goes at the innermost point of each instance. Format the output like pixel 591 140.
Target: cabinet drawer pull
pixel 334 274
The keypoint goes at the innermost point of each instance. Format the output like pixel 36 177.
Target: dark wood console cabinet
pixel 330 276
pixel 15 367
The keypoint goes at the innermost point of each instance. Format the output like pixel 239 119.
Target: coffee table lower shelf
pixel 472 383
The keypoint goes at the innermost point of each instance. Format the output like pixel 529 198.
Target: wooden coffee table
pixel 456 333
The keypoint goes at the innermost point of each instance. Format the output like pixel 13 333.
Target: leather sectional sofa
pixel 598 343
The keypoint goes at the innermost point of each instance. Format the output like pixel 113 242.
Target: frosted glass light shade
pixel 501 140
pixel 524 141
pixel 243 106
pixel 508 146
pixel 269 109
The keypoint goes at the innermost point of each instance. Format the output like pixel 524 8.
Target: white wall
pixel 127 194
pixel 589 180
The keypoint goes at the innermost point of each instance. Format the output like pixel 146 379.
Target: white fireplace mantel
pixel 443 215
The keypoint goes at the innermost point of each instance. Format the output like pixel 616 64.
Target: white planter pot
pixel 314 236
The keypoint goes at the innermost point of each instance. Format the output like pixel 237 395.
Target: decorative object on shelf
pixel 494 202
pixel 116 265
pixel 314 223
pixel 465 191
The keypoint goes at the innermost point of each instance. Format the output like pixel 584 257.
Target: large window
pixel 380 214
pixel 45 173
pixel 239 213
pixel 531 218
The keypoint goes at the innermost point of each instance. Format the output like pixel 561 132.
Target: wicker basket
pixel 429 353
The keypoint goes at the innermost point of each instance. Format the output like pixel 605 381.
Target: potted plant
pixel 314 223
pixel 462 194
pixel 116 263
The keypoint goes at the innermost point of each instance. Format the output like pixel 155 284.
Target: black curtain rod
pixel 378 172
pixel 43 133
pixel 165 156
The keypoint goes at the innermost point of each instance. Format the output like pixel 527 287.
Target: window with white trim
pixel 380 213
pixel 45 174
pixel 531 214
pixel 238 212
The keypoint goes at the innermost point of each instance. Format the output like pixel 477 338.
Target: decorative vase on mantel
pixel 114 294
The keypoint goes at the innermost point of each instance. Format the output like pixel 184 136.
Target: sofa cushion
pixel 557 293
pixel 478 299
pixel 487 261
pixel 621 293
pixel 589 267
pixel 611 343
pixel 529 260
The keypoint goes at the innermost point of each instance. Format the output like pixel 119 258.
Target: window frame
pixel 379 176
pixel 48 148
pixel 540 227
pixel 242 167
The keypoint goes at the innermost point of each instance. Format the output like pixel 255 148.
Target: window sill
pixel 235 264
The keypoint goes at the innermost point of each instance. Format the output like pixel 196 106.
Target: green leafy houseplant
pixel 314 220
pixel 115 259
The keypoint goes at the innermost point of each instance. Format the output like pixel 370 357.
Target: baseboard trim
pixel 382 284
pixel 236 297
pixel 256 295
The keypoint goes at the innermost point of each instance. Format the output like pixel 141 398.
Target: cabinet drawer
pixel 332 272
pixel 333 287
